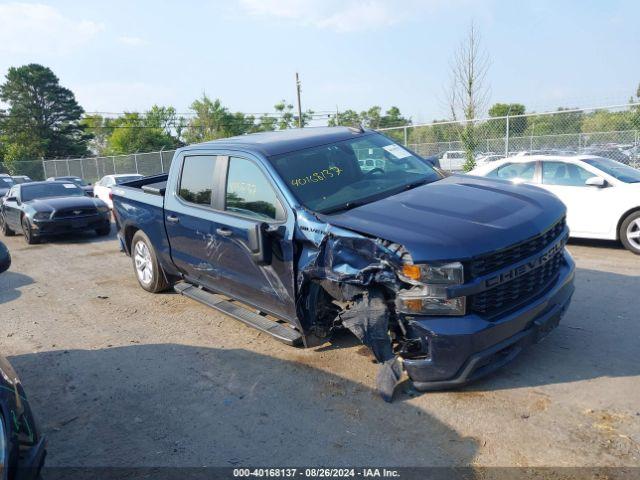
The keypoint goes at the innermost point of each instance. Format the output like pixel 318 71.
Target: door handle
pixel 172 219
pixel 224 232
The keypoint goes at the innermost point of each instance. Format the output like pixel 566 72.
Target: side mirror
pixel 596 182
pixel 10 199
pixel 259 243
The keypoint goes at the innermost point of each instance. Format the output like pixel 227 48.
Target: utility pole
pixel 299 104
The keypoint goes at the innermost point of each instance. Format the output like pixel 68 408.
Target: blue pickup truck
pixel 444 277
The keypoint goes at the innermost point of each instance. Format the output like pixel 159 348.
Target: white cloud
pixel 122 96
pixel 337 15
pixel 35 27
pixel 132 41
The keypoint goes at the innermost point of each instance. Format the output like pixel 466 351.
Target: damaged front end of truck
pixel 348 280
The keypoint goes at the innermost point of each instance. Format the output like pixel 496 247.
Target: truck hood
pixel 455 218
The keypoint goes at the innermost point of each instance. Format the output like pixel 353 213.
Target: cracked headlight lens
pixel 429 295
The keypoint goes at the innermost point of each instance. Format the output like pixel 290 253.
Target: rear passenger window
pixel 523 172
pixel 196 181
pixel 250 193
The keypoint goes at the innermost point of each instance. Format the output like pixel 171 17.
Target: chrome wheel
pixel 144 265
pixel 633 233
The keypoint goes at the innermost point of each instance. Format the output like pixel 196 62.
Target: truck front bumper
pixel 464 349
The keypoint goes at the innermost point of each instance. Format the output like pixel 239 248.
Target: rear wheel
pixel 6 231
pixel 28 232
pixel 145 263
pixel 630 232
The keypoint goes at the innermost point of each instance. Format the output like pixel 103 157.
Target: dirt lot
pixel 120 377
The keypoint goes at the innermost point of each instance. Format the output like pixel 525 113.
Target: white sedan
pixel 102 189
pixel 602 196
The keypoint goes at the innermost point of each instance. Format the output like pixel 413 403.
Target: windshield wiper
pixel 344 206
pixel 415 184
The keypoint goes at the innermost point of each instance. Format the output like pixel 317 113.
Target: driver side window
pixel 567 174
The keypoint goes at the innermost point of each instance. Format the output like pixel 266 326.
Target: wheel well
pixel 622 219
pixel 129 232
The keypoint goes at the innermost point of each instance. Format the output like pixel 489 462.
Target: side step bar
pixel 279 331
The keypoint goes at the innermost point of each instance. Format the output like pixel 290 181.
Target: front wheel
pixel 630 232
pixel 145 263
pixel 29 237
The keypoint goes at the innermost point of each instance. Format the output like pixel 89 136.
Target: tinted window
pixel 523 172
pixel 568 174
pixel 49 189
pixel 249 192
pixel 196 181
pixel 624 173
pixel 6 182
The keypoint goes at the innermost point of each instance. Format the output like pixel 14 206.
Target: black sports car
pixel 5 259
pixel 40 209
pixel 22 448
pixel 87 187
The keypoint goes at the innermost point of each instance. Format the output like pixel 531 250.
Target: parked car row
pixel 56 206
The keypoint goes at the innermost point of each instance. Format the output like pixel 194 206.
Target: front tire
pixel 28 232
pixel 630 232
pixel 145 264
pixel 6 231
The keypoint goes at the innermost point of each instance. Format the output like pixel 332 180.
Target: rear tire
pixel 630 232
pixel 145 264
pixel 6 231
pixel 27 232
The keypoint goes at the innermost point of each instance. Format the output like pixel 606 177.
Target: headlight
pixel 103 209
pixel 42 216
pixel 429 294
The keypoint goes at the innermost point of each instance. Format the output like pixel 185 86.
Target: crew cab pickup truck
pixel 444 277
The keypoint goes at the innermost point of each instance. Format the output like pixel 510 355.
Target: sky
pixel 128 55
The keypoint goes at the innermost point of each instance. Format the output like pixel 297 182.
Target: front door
pixel 11 210
pixel 586 205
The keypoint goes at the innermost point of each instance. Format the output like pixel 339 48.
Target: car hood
pixel 57 203
pixel 455 218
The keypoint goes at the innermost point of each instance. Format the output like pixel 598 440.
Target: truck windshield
pixel 349 173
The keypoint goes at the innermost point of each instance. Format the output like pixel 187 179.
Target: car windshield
pixel 128 178
pixel 618 170
pixel 75 180
pixel 6 182
pixel 49 189
pixel 340 175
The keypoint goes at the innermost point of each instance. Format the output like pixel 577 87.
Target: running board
pixel 279 331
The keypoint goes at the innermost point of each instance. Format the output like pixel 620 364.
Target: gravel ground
pixel 121 377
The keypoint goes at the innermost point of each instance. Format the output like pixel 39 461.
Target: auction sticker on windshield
pixel 68 185
pixel 397 151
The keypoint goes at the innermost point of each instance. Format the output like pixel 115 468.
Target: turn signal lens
pixel 411 271
pixel 413 305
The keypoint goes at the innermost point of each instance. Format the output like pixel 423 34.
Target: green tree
pixel 43 118
pixel 288 119
pixel 517 123
pixel 148 132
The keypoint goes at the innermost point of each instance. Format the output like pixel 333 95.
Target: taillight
pixel 110 195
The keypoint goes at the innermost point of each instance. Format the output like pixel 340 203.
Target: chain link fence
pixel 612 131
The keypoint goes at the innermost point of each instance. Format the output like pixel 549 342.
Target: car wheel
pixel 145 263
pixel 27 232
pixel 104 231
pixel 630 233
pixel 6 231
pixel 5 454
